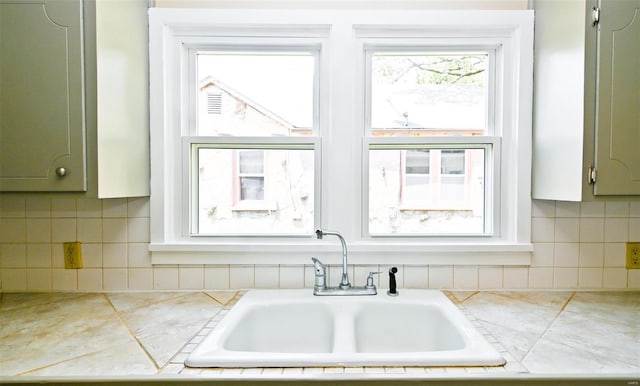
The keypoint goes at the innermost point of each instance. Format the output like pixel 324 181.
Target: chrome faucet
pixel 344 283
pixel 345 287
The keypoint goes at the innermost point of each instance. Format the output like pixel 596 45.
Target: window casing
pixel 342 137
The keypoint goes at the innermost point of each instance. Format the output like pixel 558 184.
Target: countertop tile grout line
pixel 135 338
pixel 546 330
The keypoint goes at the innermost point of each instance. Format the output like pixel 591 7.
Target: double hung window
pixel 406 132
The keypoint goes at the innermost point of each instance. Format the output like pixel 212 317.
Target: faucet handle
pixel 370 280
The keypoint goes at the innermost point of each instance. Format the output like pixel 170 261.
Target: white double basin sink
pixel 293 328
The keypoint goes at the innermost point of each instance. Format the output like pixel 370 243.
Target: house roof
pixel 455 107
pixel 211 81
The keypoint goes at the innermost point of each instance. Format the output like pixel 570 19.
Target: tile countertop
pixel 148 335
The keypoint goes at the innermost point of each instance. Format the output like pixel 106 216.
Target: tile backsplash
pixel 577 246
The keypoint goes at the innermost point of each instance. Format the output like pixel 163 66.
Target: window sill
pixel 362 253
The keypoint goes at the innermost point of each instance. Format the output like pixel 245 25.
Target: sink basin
pixel 293 328
pixel 283 328
pixel 397 328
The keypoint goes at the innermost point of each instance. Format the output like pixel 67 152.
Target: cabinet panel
pixel 41 98
pixel 617 156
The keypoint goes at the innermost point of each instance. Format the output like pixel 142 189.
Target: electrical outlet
pixel 72 255
pixel 633 255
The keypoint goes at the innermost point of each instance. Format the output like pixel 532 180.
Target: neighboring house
pixel 261 183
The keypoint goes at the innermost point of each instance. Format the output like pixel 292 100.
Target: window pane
pixel 251 162
pixel 452 162
pixel 448 200
pixel 248 191
pixel 251 188
pixel 417 161
pixel 429 93
pixel 255 94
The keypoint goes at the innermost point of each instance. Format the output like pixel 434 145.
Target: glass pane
pixel 277 200
pixel 404 203
pixel 255 93
pixel 417 161
pixel 251 188
pixel 251 162
pixel 452 162
pixel 429 94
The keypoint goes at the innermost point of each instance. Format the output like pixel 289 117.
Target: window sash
pixel 372 46
pixel 492 178
pixel 240 44
pixel 191 146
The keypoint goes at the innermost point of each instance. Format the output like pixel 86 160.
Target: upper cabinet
pixel 586 99
pixel 42 123
pixel 74 97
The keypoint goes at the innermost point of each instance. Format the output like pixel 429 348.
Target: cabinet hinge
pixel 591 175
pixel 595 16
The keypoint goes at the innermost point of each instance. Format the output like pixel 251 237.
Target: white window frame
pixel 341 144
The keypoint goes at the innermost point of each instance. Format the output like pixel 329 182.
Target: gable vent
pixel 214 103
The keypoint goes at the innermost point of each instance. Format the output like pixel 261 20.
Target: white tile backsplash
pixel 490 277
pixel 241 276
pixel 567 230
pixel 191 277
pixel 616 230
pixel 89 230
pixel 216 277
pixel 616 209
pixel 114 255
pixel 414 276
pixel 38 207
pixel 166 278
pixel 38 230
pixel 63 207
pixel 90 279
pixel 291 276
pixel 63 230
pixel 38 255
pixel 576 246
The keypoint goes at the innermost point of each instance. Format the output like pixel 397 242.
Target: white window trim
pixel 170 28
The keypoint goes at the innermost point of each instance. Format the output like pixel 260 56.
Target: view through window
pixel 246 183
pixel 424 187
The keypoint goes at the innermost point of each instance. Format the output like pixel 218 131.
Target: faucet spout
pixel 344 283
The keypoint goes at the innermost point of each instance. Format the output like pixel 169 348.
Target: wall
pixel 577 246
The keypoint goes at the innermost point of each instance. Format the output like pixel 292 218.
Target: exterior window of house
pixel 251 174
pixel 408 132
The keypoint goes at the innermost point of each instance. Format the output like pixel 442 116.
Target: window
pixel 408 133
pixel 255 172
pixel 251 175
